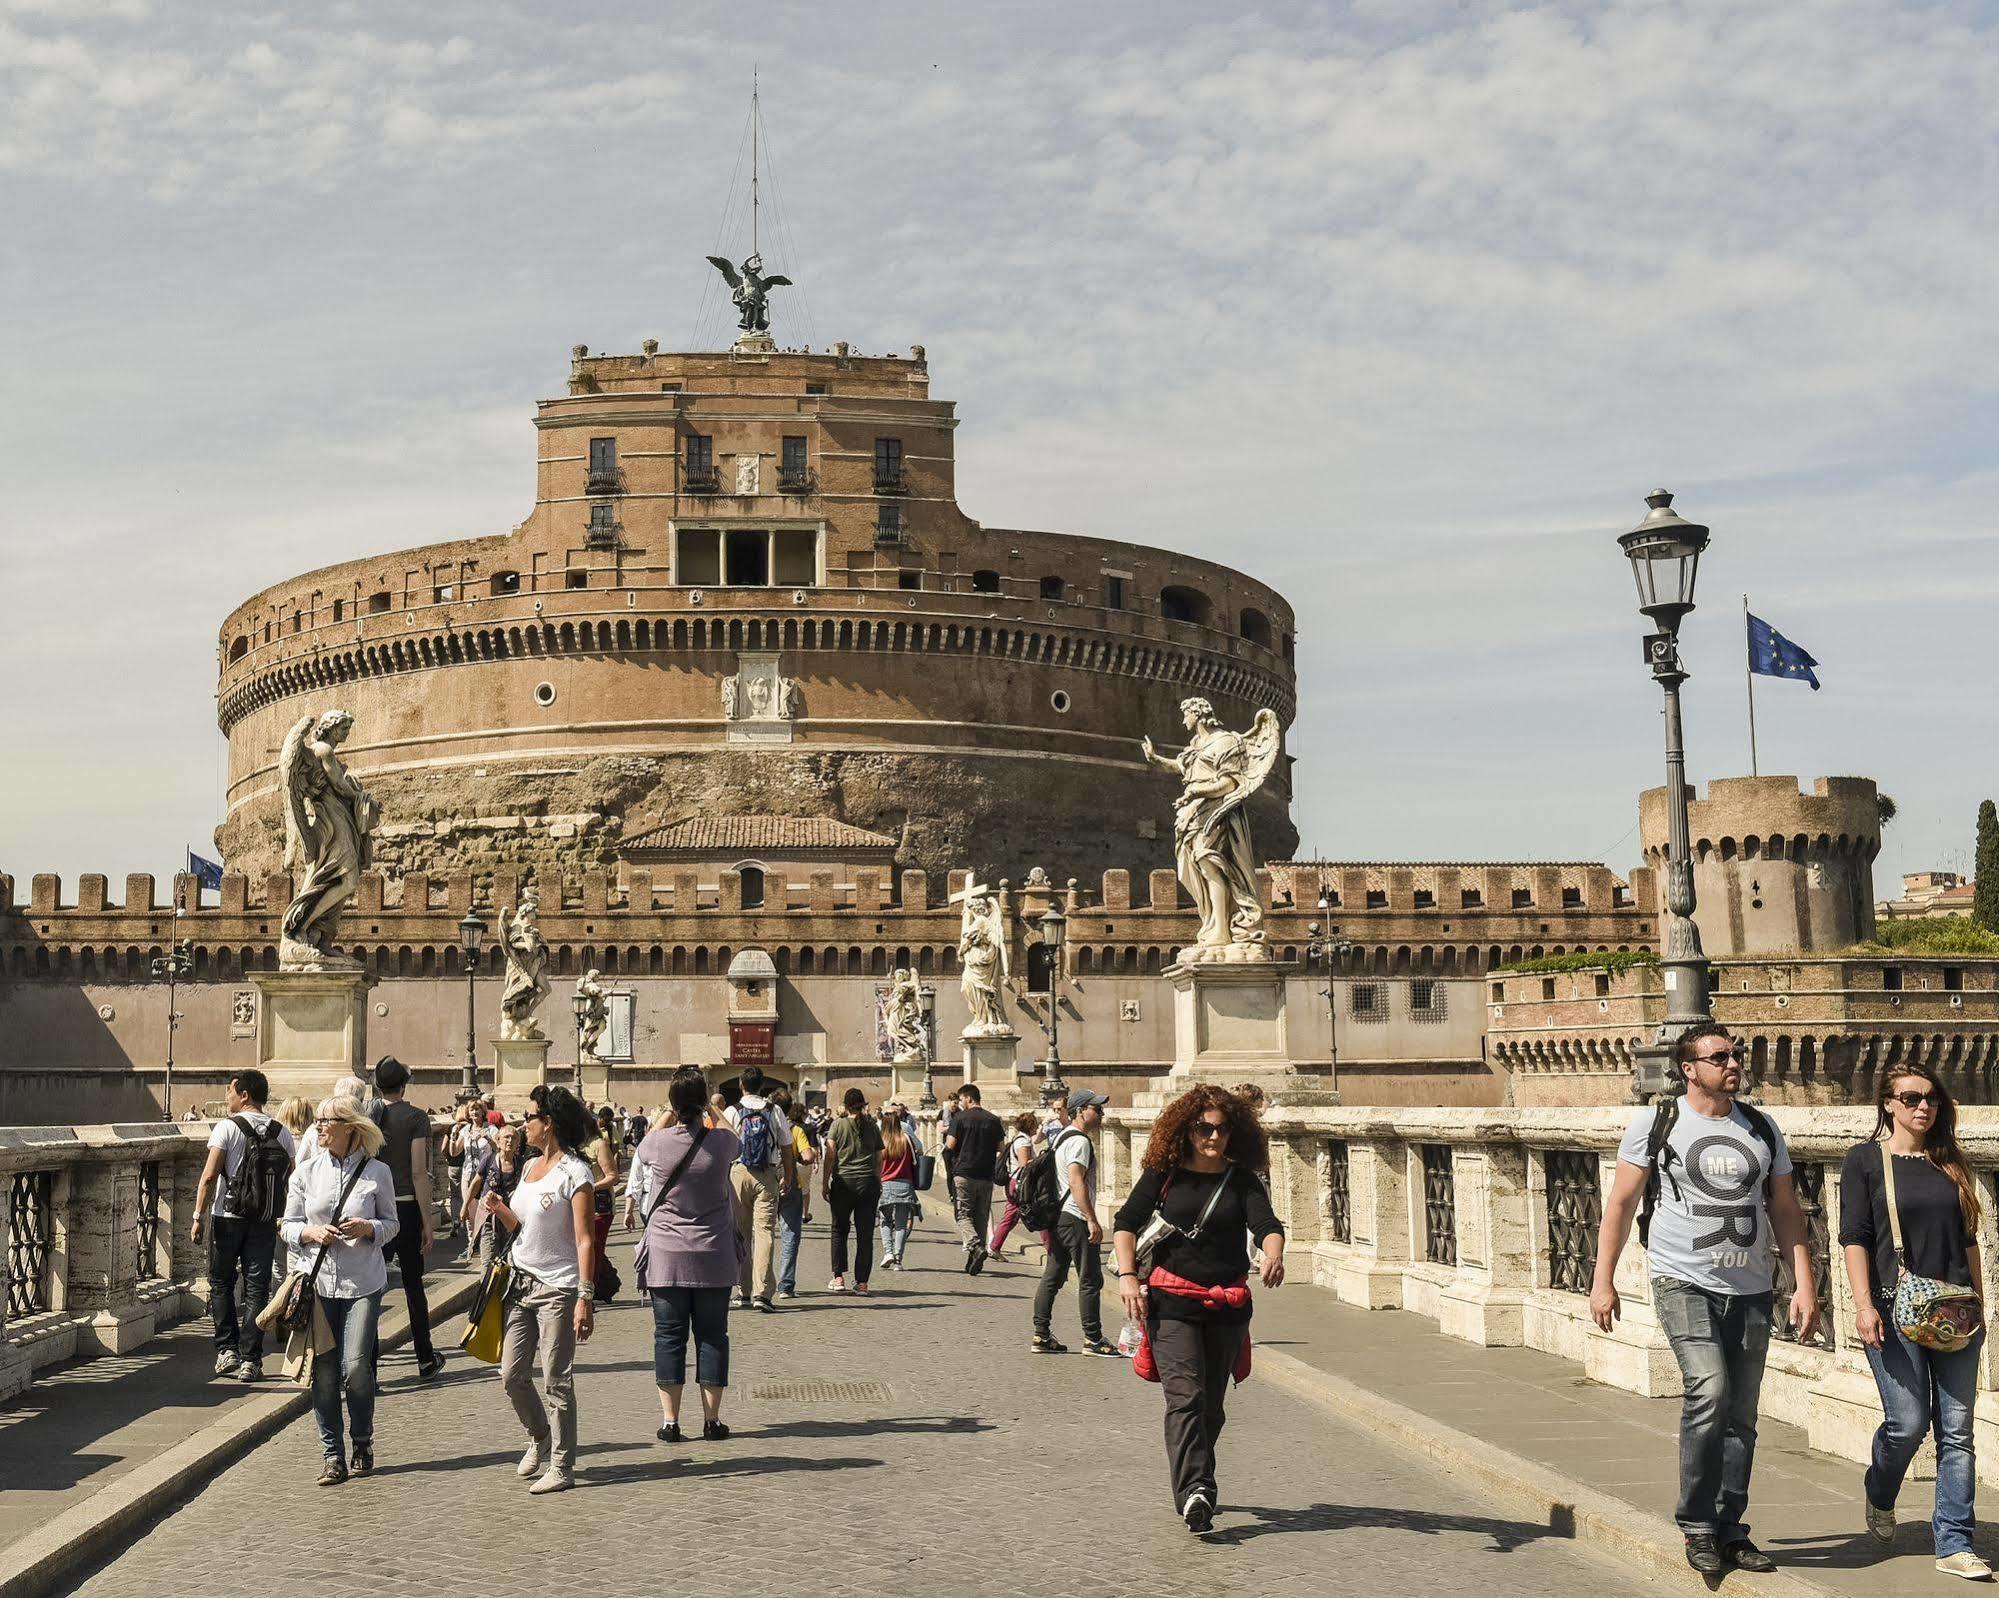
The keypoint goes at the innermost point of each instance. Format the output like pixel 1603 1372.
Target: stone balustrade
pixel 95 1233
pixel 1485 1221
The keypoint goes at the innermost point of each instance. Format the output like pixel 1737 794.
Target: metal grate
pixel 30 1241
pixel 1339 1195
pixel 1818 1241
pixel 1575 1212
pixel 149 1220
pixel 1426 1000
pixel 1368 1001
pixel 809 1392
pixel 1440 1205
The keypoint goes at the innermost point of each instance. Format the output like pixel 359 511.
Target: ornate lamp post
pixel 174 967
pixel 1053 925
pixel 1665 555
pixel 1330 951
pixel 471 933
pixel 928 996
pixel 579 1005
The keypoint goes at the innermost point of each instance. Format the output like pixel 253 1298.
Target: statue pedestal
pixel 519 1064
pixel 312 1029
pixel 755 344
pixel 992 1062
pixel 1229 1026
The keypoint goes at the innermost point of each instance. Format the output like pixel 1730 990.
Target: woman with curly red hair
pixel 1198 1201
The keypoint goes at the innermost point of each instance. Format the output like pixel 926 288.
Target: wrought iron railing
pixel 149 1220
pixel 1440 1205
pixel 30 1241
pixel 1339 1195
pixel 1818 1242
pixel 1575 1212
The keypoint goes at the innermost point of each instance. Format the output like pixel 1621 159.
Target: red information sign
pixel 752 1043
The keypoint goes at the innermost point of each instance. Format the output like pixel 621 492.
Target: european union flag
pixel 207 872
pixel 1771 654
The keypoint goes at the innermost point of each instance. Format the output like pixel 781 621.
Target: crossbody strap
pixel 673 1176
pixel 1894 1209
pixel 1214 1198
pixel 339 1204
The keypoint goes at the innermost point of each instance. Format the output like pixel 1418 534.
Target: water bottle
pixel 1128 1340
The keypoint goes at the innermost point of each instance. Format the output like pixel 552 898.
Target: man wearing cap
pixel 1078 1235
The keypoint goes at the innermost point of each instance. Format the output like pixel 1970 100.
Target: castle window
pixel 911 580
pixel 747 558
pixel 576 579
pixel 700 460
pixel 239 649
pixel 697 557
pixel 794 557
pixel 1255 626
pixel 506 582
pixel 1113 591
pixel 1377 899
pixel 603 466
pixel 1051 588
pixel 339 609
pixel 1425 899
pixel 815 388
pixel 1572 898
pixel 1891 979
pixel 669 388
pixel 298 620
pixel 1953 979
pixel 603 522
pixel 443 593
pixel 1523 898
pixel 791 464
pixel 1470 899
pixel 985 582
pixel 1368 1001
pixel 1040 967
pixel 753 886
pixel 1602 985
pixel 1426 1000
pixel 888 524
pixel 1177 603
pixel 379 602
pixel 888 464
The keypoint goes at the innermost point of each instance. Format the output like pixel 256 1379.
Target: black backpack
pixel 1659 1154
pixel 1042 1191
pixel 258 1190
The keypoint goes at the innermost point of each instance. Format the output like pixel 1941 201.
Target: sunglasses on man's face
pixel 1722 1058
pixel 1909 1101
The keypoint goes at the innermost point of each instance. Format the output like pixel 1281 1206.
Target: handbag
pixel 645 1224
pixel 1929 1313
pixel 926 1172
pixel 1159 1230
pixel 486 1324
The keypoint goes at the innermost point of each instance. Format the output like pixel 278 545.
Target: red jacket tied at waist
pixel 1230 1295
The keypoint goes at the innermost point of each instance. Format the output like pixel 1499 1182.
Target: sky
pixel 1400 305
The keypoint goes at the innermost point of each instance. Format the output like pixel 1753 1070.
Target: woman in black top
pixel 1204 1160
pixel 1937 1203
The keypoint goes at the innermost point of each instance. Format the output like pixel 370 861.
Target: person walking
pixel 1077 1237
pixel 495 1168
pixel 684 1174
pixel 604 1162
pixel 549 1308
pixel 852 1184
pixel 1200 1177
pixel 1019 1150
pixel 1909 1209
pixel 764 1167
pixel 342 1205
pixel 971 1149
pixel 792 1200
pixel 406 1152
pixel 901 1149
pixel 1718 1175
pixel 248 1172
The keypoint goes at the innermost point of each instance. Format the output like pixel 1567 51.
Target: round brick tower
pixel 746 588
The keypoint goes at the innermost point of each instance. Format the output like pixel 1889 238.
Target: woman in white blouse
pixel 550 1294
pixel 341 1213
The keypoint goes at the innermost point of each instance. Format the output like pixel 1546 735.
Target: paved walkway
pixel 900 1443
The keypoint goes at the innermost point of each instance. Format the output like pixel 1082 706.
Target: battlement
pixel 840 371
pixel 1770 817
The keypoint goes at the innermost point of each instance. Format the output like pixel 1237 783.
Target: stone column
pixel 1495 1259
pixel 1370 1273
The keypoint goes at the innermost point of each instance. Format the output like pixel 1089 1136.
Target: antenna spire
pixel 756 116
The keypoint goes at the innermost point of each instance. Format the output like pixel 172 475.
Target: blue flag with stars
pixel 206 872
pixel 1771 654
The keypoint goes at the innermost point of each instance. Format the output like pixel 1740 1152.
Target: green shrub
pixel 1611 960
pixel 1930 935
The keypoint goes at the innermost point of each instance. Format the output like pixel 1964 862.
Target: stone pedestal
pixel 519 1066
pixel 312 1029
pixel 993 1063
pixel 1229 1026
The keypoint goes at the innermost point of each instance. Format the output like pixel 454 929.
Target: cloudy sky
pixel 1401 304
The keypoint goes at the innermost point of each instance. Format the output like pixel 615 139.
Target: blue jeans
pixel 790 1229
pixel 348 1367
pixel 1720 1341
pixel 1921 1388
pixel 895 1223
pixel 676 1310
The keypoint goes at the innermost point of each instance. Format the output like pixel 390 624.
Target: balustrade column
pixel 1368 1271
pixel 1495 1258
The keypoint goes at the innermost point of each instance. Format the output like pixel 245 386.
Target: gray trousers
pixel 1194 1360
pixel 972 1206
pixel 542 1319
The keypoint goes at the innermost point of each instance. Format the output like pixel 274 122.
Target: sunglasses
pixel 1720 1059
pixel 1909 1101
pixel 533 1115
pixel 1209 1129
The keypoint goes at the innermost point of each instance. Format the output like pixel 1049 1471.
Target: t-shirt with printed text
pixel 1711 1229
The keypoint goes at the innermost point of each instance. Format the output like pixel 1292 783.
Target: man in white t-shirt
pixel 765 1170
pixel 245 1241
pixel 1077 1236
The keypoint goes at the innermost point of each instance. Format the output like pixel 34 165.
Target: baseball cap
pixel 1083 1098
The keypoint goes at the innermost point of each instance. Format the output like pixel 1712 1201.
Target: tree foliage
pixel 1985 899
pixel 1611 960
pixel 1931 935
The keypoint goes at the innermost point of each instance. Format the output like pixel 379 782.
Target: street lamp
pixel 579 1004
pixel 1665 555
pixel 471 933
pixel 927 996
pixel 1330 951
pixel 1053 925
pixel 174 967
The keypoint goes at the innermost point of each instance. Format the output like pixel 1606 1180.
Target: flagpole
pixel 1749 681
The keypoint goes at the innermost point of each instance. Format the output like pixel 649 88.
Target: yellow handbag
pixel 486 1324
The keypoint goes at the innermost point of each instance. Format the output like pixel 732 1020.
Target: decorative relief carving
pixel 759 701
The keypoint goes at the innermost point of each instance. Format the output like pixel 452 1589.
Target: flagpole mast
pixel 755 202
pixel 1749 681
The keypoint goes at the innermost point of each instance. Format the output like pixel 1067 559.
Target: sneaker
pixel 764 1306
pixel 363 1463
pixel 1704 1556
pixel 1965 1564
pixel 1881 1524
pixel 861 1287
pixel 250 1370
pixel 975 1260
pixel 1045 1344
pixel 786 1294
pixel 430 1369
pixel 1103 1350
pixel 1198 1513
pixel 535 1460
pixel 226 1362
pixel 333 1473
pixel 671 1433
pixel 556 1481
pixel 713 1431
pixel 837 1285
pixel 1745 1555
pixel 740 1301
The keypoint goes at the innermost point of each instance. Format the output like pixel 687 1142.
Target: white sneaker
pixel 837 1285
pixel 740 1301
pixel 1881 1524
pixel 556 1481
pixel 226 1361
pixel 1965 1564
pixel 535 1460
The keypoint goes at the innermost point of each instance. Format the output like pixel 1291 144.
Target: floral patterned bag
pixel 1929 1313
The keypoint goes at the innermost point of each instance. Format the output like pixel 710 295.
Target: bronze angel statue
pixel 1218 771
pixel 750 290
pixel 328 816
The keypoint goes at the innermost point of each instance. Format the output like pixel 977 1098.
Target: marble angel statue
pixel 526 953
pixel 905 1016
pixel 983 957
pixel 595 1013
pixel 328 816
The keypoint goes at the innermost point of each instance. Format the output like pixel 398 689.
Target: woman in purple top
pixel 687 1254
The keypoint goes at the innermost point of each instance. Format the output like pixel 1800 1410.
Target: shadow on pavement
pixel 888 1425
pixel 1506 1535
pixel 671 1468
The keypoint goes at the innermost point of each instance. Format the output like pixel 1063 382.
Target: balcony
pixel 890 482
pixel 701 480
pixel 603 535
pixel 799 482
pixel 605 480
pixel 889 537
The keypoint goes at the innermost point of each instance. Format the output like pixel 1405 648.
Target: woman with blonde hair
pixel 901 1149
pixel 342 1209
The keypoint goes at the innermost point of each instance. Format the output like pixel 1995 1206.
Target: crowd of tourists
pixel 719 1186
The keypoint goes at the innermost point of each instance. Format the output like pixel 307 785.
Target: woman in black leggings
pixel 851 1179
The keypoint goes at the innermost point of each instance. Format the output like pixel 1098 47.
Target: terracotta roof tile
pixel 757 835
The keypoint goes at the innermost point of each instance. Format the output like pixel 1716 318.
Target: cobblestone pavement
pixel 983 1470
